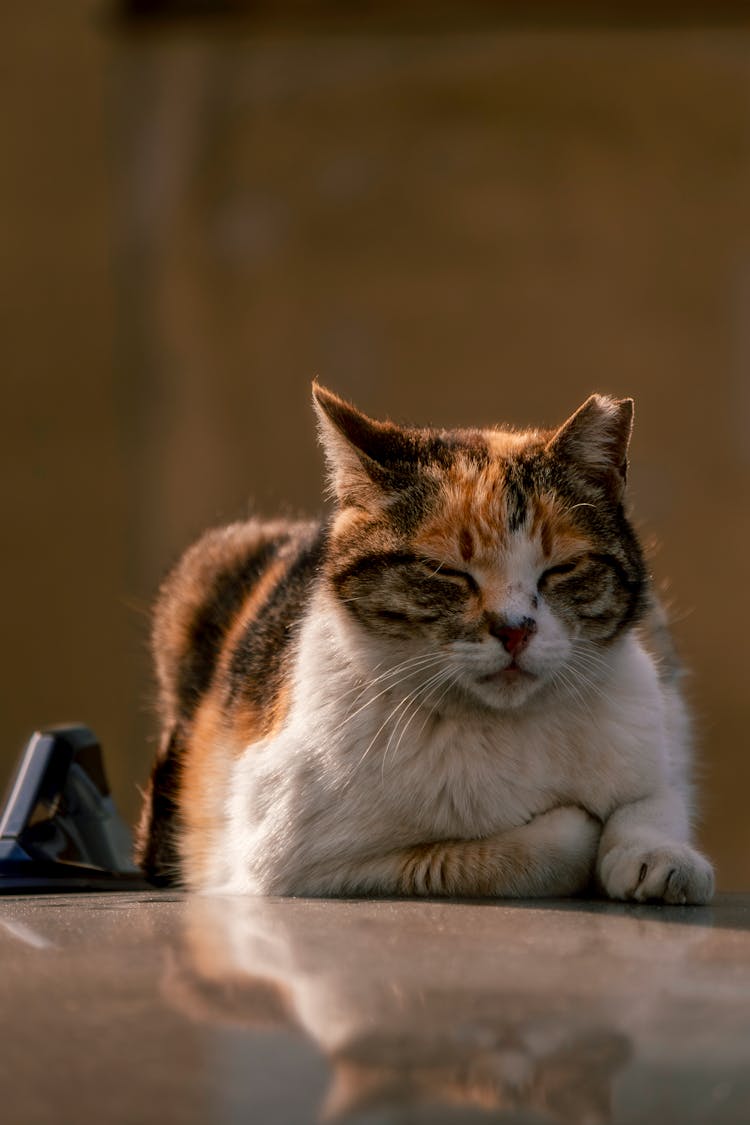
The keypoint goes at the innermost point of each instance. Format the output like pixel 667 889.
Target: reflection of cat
pixel 395 1042
pixel 447 690
pixel 565 1080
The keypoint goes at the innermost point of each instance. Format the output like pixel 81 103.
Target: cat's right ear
pixel 363 455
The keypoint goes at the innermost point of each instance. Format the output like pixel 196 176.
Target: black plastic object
pixel 59 828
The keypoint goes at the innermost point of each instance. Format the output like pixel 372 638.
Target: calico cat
pixel 459 685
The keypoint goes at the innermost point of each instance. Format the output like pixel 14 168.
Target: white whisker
pixel 452 681
pixel 423 664
pixel 433 684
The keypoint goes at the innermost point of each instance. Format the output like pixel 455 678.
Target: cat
pixel 460 684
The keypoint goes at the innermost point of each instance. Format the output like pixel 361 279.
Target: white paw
pixel 674 873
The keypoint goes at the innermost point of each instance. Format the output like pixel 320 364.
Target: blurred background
pixel 453 215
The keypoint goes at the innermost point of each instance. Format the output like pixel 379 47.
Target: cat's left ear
pixel 365 457
pixel 596 439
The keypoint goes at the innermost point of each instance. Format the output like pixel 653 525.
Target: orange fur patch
pixel 505 443
pixel 552 524
pixel 470 524
pixel 203 782
pixel 219 736
pixel 470 512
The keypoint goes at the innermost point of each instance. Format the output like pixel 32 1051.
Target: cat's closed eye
pixel 560 570
pixel 440 570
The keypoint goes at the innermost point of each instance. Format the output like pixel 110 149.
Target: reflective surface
pixel 126 1008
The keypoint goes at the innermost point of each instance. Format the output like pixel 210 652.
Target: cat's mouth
pixel 508 675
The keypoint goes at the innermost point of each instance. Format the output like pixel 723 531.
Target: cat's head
pixel 503 560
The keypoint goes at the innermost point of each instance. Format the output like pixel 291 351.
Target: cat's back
pixel 224 626
pixel 233 573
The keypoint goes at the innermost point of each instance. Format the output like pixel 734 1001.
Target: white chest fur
pixel 330 784
pixel 479 774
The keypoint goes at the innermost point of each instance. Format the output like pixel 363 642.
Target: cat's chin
pixel 506 690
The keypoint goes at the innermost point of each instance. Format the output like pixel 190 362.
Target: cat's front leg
pixel 644 854
pixel 553 855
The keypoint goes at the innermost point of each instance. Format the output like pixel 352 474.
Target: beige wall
pixel 449 229
pixel 71 643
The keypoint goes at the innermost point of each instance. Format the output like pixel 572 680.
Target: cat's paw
pixel 674 873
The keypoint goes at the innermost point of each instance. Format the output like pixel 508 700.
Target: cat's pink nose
pixel 513 637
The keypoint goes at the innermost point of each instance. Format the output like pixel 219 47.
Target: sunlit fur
pixel 457 685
